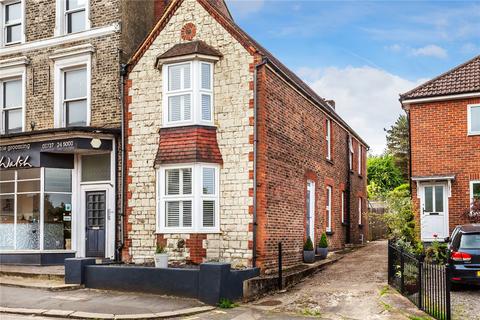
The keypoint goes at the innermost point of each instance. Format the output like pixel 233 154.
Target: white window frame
pixel 67 64
pixel 360 210
pixel 329 209
pixel 471 188
pixel 469 119
pixel 328 137
pixel 343 206
pixel 3 33
pixel 12 73
pixel 360 159
pixel 195 91
pixel 350 156
pixel 61 18
pixel 197 199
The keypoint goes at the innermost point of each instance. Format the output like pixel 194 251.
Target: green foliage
pixel 323 243
pixel 308 246
pixel 398 144
pixel 399 219
pixel 160 249
pixel 436 253
pixel 311 312
pixel 226 304
pixel 383 176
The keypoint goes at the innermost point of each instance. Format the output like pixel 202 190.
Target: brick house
pixel 229 152
pixel 61 116
pixel 444 117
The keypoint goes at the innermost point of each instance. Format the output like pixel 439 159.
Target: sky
pixel 363 54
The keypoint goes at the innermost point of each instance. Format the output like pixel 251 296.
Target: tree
pixel 398 144
pixel 383 175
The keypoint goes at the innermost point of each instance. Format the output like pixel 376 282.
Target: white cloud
pixel 430 51
pixel 470 48
pixel 245 7
pixel 366 97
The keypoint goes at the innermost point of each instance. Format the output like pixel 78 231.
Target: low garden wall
pixel 209 283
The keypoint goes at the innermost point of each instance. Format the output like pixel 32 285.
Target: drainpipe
pixel 255 144
pixel 123 72
pixel 347 193
pixel 409 151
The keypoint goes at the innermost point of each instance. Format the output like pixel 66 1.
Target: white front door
pixel 311 210
pixel 434 212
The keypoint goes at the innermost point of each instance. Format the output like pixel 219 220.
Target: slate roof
pixel 464 78
pixel 187 48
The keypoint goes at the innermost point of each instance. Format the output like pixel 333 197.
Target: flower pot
pixel 309 256
pixel 161 260
pixel 322 252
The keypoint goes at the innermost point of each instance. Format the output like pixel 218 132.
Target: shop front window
pixel 58 209
pixel 21 211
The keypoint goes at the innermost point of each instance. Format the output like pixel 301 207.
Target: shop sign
pixel 19 162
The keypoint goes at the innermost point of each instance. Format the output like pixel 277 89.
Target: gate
pixel 427 285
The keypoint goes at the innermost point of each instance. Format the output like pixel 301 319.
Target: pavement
pixel 466 303
pixel 95 304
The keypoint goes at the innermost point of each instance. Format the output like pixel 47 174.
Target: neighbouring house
pixel 444 118
pixel 61 114
pixel 229 152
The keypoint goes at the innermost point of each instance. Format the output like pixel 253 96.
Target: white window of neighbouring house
pixel 188 198
pixel 359 159
pixel 475 190
pixel 329 138
pixel 343 206
pixel 360 210
pixel 72 91
pixel 474 119
pixel 329 209
pixel 12 22
pixel 12 105
pixel 188 93
pixel 72 16
pixel 350 158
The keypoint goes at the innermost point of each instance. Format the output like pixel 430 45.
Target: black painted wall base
pixel 36 258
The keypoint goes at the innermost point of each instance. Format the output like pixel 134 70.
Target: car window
pixel 470 241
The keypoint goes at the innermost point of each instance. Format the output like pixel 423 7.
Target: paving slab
pixel 51 272
pixel 58 313
pixel 92 315
pixel 27 282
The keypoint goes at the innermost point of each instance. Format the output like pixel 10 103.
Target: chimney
pixel 159 7
pixel 331 103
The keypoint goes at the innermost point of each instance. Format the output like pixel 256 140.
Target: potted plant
pixel 161 257
pixel 308 251
pixel 322 249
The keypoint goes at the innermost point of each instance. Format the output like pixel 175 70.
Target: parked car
pixel 464 254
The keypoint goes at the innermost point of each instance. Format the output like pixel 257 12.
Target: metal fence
pixel 427 285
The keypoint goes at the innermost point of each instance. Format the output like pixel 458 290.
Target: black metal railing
pixel 427 285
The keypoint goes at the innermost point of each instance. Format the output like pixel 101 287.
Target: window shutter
pixel 174 77
pixel 187 213
pixel 174 108
pixel 187 107
pixel 173 213
pixel 206 76
pixel 206 107
pixel 187 82
pixel 172 182
pixel 187 181
pixel 208 213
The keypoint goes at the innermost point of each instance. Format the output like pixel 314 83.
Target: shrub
pixel 473 213
pixel 226 304
pixel 160 249
pixel 323 243
pixel 308 246
pixel 436 253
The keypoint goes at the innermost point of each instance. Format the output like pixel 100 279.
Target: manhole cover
pixel 269 303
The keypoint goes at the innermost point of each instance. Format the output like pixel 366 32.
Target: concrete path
pixel 466 303
pixel 88 301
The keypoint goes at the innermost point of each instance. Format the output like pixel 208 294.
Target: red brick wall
pixel 440 146
pixel 292 150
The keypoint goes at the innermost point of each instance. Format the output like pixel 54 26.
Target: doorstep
pixel 39 272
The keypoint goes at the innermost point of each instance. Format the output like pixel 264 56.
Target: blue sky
pixel 364 53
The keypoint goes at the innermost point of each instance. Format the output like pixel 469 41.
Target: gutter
pixel 255 161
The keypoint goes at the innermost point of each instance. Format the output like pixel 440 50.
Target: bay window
pixel 188 93
pixel 474 119
pixel 188 198
pixel 11 103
